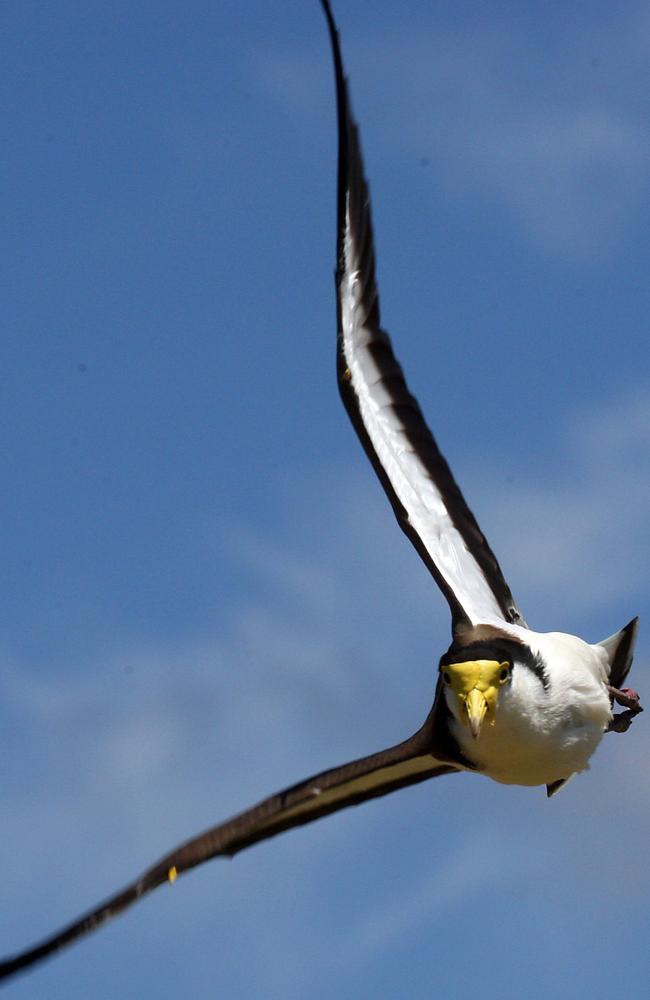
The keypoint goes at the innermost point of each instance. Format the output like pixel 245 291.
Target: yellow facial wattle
pixel 476 685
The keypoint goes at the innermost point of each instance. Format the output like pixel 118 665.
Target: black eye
pixel 446 677
pixel 505 673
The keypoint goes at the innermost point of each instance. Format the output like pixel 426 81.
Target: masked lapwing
pixel 518 706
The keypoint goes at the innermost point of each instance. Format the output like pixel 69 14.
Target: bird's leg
pixel 626 697
pixel 630 700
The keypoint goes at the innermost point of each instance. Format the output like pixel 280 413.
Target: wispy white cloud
pixel 570 166
pixel 461 876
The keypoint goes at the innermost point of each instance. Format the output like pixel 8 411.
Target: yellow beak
pixel 476 707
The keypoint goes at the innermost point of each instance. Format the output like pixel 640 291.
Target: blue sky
pixel 205 596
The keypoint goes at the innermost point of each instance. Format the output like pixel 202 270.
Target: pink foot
pixel 630 700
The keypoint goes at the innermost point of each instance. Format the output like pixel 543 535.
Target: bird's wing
pixel 620 652
pixel 421 488
pixel 350 784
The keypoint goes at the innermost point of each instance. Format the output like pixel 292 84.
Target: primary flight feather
pixel 518 706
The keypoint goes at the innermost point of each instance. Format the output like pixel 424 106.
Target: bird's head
pixel 472 687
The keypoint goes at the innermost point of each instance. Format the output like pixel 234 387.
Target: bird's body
pixel 518 706
pixel 548 722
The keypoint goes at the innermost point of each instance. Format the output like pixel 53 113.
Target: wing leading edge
pixel 370 777
pixel 427 502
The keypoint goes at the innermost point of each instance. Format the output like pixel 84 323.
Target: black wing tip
pixel 554 786
pixel 91 921
pixel 24 960
pixel 345 125
pixel 325 4
pixel 335 42
pixel 620 648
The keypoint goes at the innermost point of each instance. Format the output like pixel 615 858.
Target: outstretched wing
pixel 367 778
pixel 421 488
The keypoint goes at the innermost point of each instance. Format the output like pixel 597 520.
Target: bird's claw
pixel 626 697
pixel 630 700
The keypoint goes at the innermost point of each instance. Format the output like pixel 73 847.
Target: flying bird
pixel 518 706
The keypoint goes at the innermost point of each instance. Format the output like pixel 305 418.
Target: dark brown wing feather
pixel 325 793
pixel 427 502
